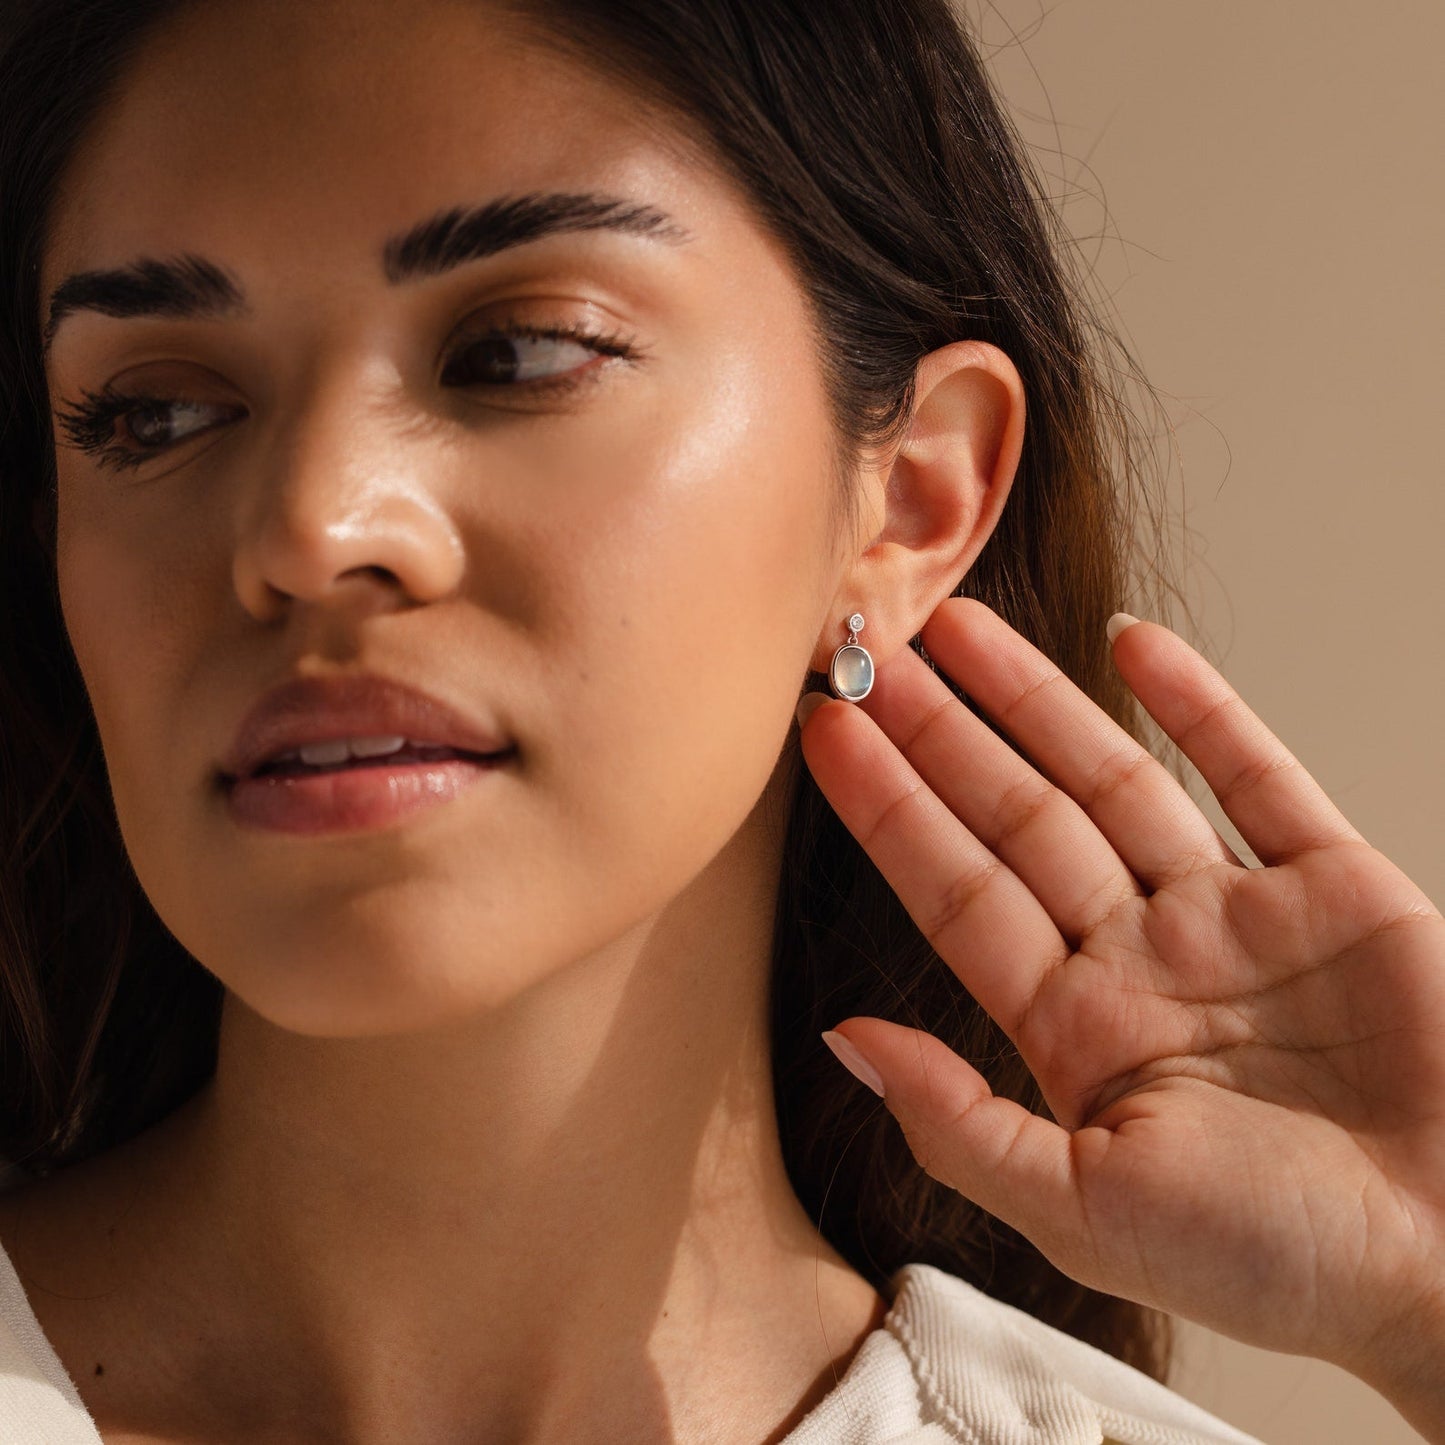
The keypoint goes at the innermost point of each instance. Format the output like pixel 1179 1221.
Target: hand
pixel 1247 1065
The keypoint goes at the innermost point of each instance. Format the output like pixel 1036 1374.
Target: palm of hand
pixel 1256 1105
pixel 1247 1065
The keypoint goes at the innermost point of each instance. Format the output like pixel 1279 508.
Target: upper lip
pixel 307 710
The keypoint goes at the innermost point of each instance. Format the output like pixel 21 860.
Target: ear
pixel 937 498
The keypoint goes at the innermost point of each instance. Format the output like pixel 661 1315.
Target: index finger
pixel 979 916
pixel 1148 818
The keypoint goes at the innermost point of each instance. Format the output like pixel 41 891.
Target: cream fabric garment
pixel 948 1364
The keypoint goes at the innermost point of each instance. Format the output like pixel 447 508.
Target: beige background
pixel 1262 189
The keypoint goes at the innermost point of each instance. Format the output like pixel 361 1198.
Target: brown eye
pixel 506 360
pixel 158 424
pixel 124 429
pixel 543 357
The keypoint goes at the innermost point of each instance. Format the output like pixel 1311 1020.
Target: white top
pixel 948 1364
pixel 951 1363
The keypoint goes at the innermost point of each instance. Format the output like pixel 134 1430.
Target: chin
pixel 366 995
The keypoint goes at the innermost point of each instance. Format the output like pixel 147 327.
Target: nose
pixel 352 492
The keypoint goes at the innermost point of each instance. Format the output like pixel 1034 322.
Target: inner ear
pixel 972 405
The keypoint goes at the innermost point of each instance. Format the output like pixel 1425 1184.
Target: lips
pixel 308 710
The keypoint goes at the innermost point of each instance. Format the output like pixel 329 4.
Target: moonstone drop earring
pixel 851 673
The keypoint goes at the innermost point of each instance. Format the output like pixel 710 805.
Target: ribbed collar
pixel 949 1363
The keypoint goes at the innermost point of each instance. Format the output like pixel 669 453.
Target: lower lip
pixel 353 798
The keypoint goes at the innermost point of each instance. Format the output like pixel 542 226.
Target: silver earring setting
pixel 851 673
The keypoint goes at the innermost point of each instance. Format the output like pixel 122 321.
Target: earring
pixel 851 673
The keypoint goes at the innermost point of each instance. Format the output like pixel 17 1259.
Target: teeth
pixel 374 747
pixel 322 755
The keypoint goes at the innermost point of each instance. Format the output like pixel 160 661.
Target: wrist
pixel 1405 1362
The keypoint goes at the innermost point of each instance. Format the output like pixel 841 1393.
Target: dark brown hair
pixel 867 136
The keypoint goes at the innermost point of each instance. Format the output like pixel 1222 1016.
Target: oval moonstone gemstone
pixel 852 672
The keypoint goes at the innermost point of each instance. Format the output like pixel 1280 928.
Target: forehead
pixel 337 122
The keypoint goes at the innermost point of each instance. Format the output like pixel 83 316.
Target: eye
pixel 535 358
pixel 158 424
pixel 125 429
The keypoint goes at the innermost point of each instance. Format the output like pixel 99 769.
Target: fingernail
pixel 853 1061
pixel 1117 623
pixel 808 704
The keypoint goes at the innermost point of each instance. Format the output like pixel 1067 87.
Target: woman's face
pixel 628 576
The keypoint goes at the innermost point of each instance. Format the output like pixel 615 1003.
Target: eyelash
pixel 90 423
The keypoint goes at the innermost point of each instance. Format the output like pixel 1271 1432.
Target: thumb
pixel 1016 1165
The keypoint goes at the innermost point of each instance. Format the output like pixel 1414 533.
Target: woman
pixel 446 438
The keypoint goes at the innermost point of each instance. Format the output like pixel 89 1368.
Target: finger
pixel 1043 835
pixel 1279 809
pixel 1151 822
pixel 980 918
pixel 1016 1165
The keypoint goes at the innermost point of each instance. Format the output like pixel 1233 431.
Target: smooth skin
pixel 1247 1064
pixel 491 1150
pixel 490 1153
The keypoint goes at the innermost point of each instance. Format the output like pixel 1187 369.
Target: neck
pixel 577 1196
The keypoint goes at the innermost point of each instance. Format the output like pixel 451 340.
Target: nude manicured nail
pixel 1117 623
pixel 853 1061
pixel 808 704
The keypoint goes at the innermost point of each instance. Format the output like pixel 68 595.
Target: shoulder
pixel 953 1364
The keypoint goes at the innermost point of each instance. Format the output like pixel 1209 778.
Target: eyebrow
pixel 192 286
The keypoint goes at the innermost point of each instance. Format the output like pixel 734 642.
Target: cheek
pixel 672 544
pixel 128 616
pixel 692 562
